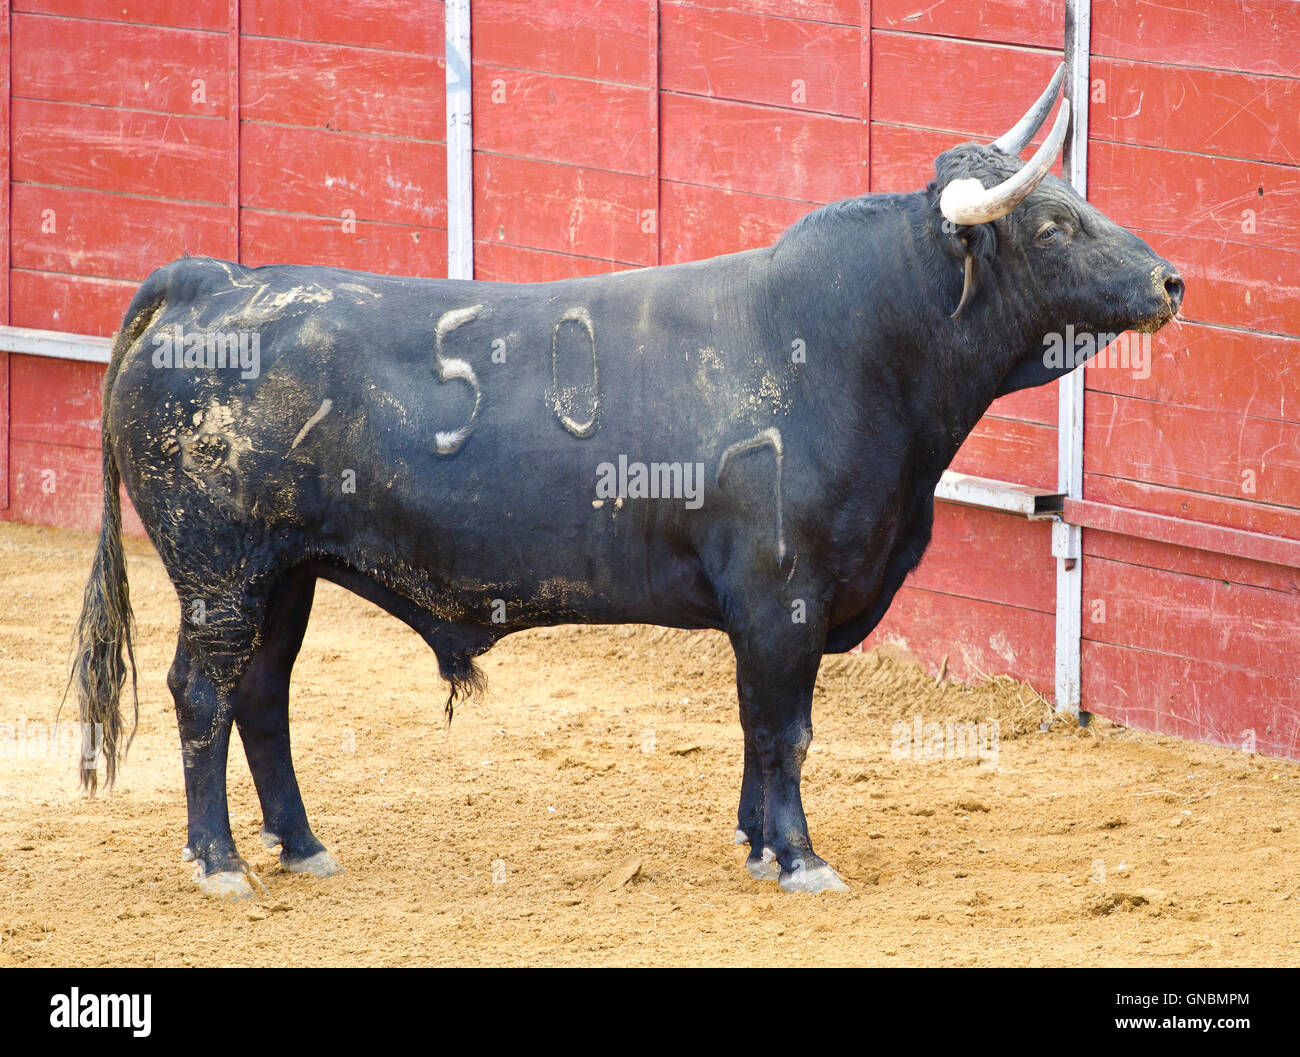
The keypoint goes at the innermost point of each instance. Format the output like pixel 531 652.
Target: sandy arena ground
pixel 582 813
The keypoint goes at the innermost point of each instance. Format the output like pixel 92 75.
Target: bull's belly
pixel 506 562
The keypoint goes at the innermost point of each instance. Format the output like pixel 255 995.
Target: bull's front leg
pixel 749 818
pixel 778 649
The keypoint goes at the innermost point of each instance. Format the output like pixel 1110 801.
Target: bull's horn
pixel 1017 137
pixel 966 201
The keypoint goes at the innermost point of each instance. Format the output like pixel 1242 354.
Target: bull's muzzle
pixel 1167 292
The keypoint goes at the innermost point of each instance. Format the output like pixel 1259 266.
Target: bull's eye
pixel 1048 234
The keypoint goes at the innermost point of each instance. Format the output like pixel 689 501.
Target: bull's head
pixel 1030 245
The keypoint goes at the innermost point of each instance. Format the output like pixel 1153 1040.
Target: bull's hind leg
pixel 204 713
pixel 232 665
pixel 262 714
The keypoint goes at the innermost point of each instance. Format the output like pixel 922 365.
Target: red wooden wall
pixel 626 133
pixel 1203 102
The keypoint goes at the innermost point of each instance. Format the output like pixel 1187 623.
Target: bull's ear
pixel 982 241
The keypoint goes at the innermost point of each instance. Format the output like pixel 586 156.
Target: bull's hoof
pixel 764 867
pixel 226 884
pixel 812 880
pixel 322 864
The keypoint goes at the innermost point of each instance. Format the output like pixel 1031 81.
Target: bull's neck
pixel 868 289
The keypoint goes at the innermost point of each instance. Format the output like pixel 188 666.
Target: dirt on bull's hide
pixel 582 812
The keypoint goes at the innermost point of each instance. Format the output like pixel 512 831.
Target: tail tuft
pixel 466 677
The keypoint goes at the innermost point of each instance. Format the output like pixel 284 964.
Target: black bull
pixel 749 443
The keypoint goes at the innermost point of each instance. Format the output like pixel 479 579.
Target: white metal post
pixel 1067 539
pixel 460 143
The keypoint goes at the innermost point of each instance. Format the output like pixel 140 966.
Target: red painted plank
pixel 1191 698
pixel 865 185
pixel 1252 35
pixel 56 401
pixel 701 222
pixel 607 41
pixel 1195 195
pixel 654 61
pixel 911 73
pixel 1175 502
pixel 1212 368
pixel 562 208
pixel 119 151
pixel 115 64
pixel 82 305
pixel 1038 23
pixel 500 262
pixel 1157 555
pixel 1032 405
pixel 112 236
pixel 989 555
pixel 1236 284
pixel 299 170
pixel 201 14
pixel 542 116
pixel 1240 627
pixel 1207 451
pixel 389 25
pixel 325 86
pixel 978 639
pixel 57 485
pixel 292 238
pixel 1181 532
pixel 1008 450
pixel 842 12
pixel 1206 111
pixel 739 146
pixel 805 65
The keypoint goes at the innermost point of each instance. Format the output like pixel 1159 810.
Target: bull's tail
pixel 102 644
pixel 104 632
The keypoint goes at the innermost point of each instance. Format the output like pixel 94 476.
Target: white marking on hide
pixel 454 318
pixel 770 437
pixel 321 412
pixel 578 429
pixel 453 369
pixel 360 291
pixel 310 293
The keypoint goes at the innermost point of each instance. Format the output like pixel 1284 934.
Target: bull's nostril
pixel 1174 288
